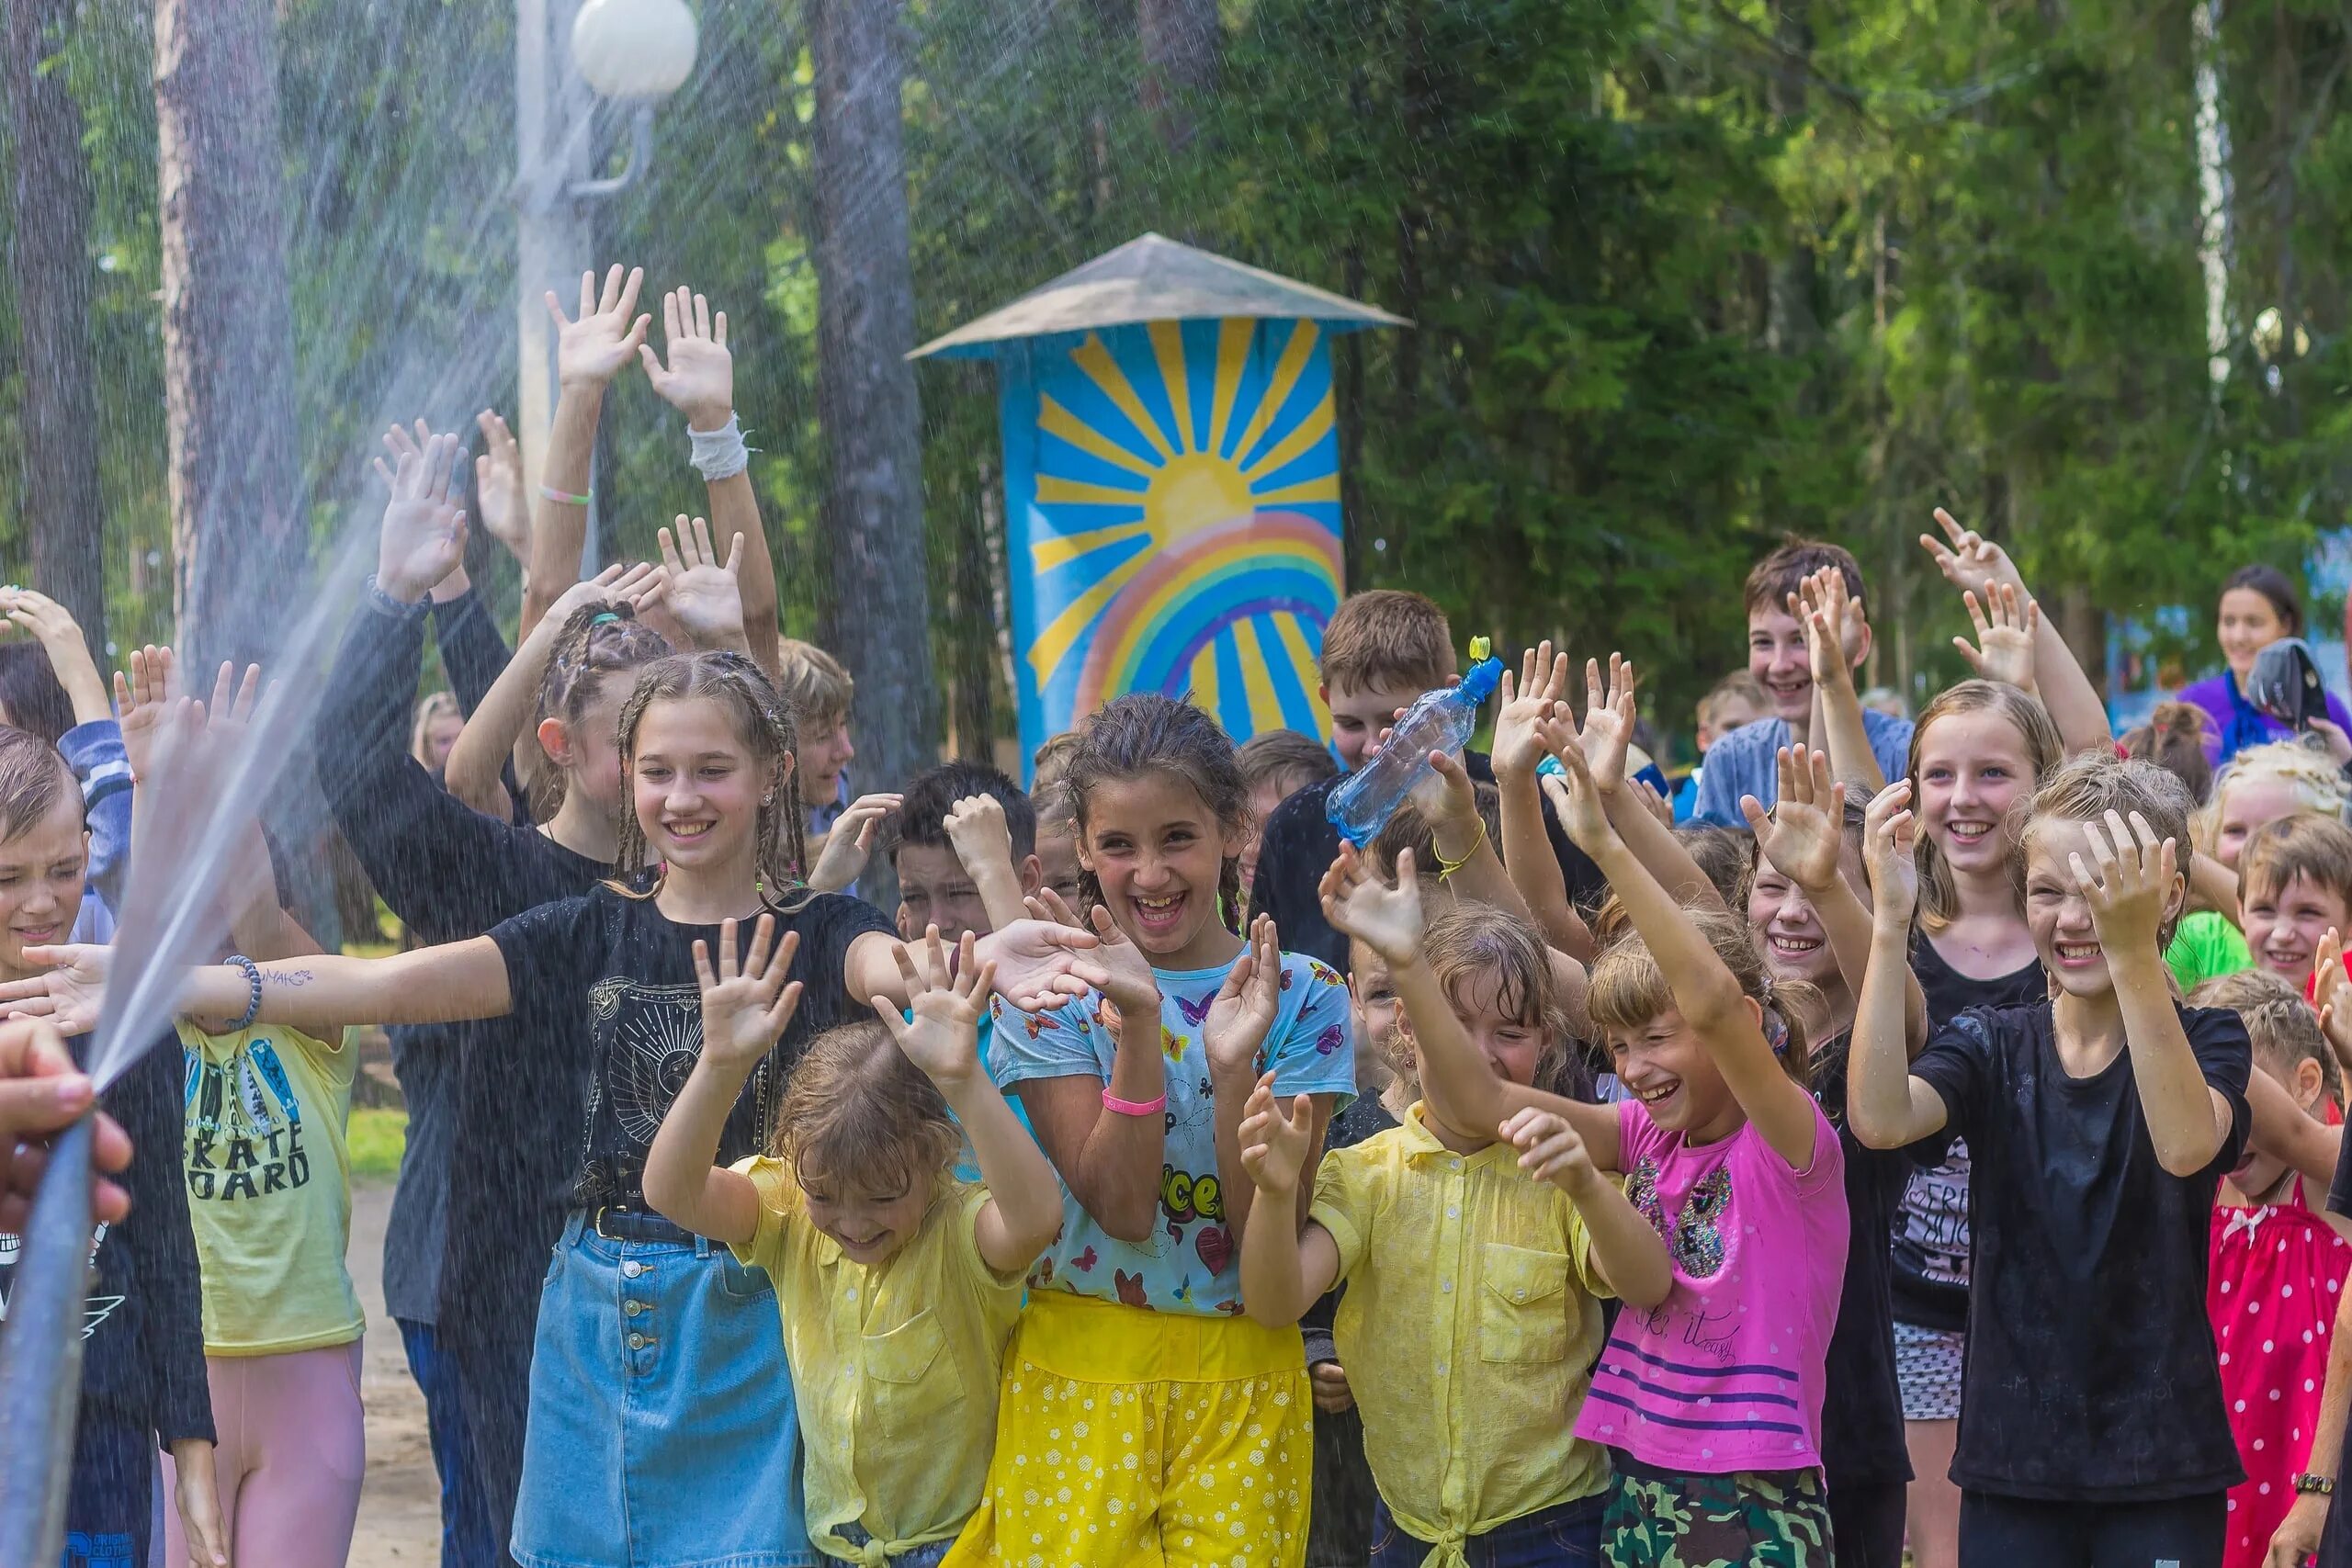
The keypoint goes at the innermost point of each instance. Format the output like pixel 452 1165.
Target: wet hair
pixel 2283 1027
pixel 1144 732
pixel 596 640
pixel 1939 897
pixel 33 779
pixel 1051 762
pixel 856 1112
pixel 1778 575
pixel 1387 637
pixel 921 817
pixel 2317 849
pixel 2273 585
pixel 34 698
pixel 1406 829
pixel 433 708
pixel 1471 944
pixel 2174 739
pixel 1286 759
pixel 2313 777
pixel 2090 786
pixel 814 683
pixel 762 723
pixel 1628 989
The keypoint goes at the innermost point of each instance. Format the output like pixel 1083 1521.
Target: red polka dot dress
pixel 2277 1271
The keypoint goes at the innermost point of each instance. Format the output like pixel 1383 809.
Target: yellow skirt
pixel 1130 1436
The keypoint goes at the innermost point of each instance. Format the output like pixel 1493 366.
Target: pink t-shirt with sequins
pixel 1726 1375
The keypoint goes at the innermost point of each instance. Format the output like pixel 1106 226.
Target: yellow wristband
pixel 1446 868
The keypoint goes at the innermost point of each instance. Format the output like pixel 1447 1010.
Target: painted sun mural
pixel 1174 495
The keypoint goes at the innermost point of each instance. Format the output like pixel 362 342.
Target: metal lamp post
pixel 567 54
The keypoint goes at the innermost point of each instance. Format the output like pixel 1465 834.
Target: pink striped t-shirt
pixel 1726 1375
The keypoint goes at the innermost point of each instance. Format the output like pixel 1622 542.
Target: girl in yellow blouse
pixel 899 1285
pixel 1470 1323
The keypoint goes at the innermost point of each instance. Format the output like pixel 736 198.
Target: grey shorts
pixel 1926 1363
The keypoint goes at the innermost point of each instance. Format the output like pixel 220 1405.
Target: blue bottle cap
pixel 1484 677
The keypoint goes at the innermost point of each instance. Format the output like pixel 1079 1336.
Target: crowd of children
pixel 1905 1140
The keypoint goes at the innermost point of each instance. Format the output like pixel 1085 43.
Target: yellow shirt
pixel 895 1368
pixel 1469 1331
pixel 269 1187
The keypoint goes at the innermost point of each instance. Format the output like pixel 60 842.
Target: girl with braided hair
pixel 657 1363
pixel 1135 1095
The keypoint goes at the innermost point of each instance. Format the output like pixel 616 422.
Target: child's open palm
pixel 2006 623
pixel 1386 920
pixel 1802 833
pixel 978 833
pixel 1034 958
pixel 498 487
pixel 1608 722
pixel 2132 888
pixel 1116 967
pixel 423 535
pixel 1890 835
pixel 591 350
pixel 141 697
pixel 2332 993
pixel 699 380
pixel 1834 626
pixel 1244 1007
pixel 744 1009
pixel 704 595
pixel 71 991
pixel 948 1002
pixel 1967 558
pixel 1576 798
pixel 1274 1137
pixel 1542 682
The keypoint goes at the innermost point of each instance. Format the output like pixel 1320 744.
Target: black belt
pixel 636 1224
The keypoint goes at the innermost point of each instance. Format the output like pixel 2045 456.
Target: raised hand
pixel 1550 1150
pixel 1274 1137
pixel 1033 958
pixel 1244 1007
pixel 424 537
pixel 2332 993
pixel 699 380
pixel 704 596
pixel 1576 798
pixel 1541 686
pixel 637 586
pixel 142 697
pixel 71 991
pixel 53 627
pixel 1357 902
pixel 948 1002
pixel 851 841
pixel 745 1007
pixel 2006 623
pixel 1608 722
pixel 1890 834
pixel 1118 969
pixel 2131 890
pixel 978 833
pixel 1803 834
pixel 498 483
pixel 1836 630
pixel 1968 558
pixel 591 350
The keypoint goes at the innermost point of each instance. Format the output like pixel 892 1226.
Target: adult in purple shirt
pixel 2258 607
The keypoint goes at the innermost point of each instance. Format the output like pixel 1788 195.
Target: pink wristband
pixel 1132 1106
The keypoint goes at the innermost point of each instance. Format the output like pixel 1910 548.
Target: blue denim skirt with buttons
pixel 662 1430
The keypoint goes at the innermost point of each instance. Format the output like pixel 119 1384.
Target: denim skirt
pixel 662 1430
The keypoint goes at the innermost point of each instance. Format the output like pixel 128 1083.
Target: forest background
pixel 1685 275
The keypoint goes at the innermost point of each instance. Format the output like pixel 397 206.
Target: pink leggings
pixel 293 1449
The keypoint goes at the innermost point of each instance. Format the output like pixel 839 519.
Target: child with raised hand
pixel 899 1285
pixel 2102 1119
pixel 963 846
pixel 1198 1444
pixel 2052 674
pixel 1470 1319
pixel 50 686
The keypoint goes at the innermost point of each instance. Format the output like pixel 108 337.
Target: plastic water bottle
pixel 1438 721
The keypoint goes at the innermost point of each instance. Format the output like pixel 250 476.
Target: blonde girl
pixel 1183 1429
pixel 898 1284
pixel 2259 786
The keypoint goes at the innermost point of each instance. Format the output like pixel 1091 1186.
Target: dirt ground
pixel 400 1509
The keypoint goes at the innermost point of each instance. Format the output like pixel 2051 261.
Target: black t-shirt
pixel 616 974
pixel 1298 843
pixel 1931 1221
pixel 1861 1404
pixel 2092 1375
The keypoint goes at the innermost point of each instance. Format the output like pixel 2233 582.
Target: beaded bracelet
pixel 253 980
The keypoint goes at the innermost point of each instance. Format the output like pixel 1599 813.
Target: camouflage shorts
pixel 1768 1518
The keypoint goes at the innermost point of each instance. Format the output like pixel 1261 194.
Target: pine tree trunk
pixel 1182 46
pixel 240 542
pixel 873 535
pixel 62 508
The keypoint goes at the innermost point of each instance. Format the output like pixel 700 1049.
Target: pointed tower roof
pixel 1153 278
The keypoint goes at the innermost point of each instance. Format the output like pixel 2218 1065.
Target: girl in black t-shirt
pixel 2104 1117
pixel 658 1364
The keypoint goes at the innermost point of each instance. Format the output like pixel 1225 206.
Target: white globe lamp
pixel 638 49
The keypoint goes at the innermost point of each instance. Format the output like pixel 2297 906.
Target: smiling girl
pixel 2258 606
pixel 1184 1429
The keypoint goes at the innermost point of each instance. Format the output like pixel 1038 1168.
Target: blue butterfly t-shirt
pixel 1191 1262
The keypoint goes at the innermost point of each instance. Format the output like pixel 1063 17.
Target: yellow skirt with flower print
pixel 1130 1436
